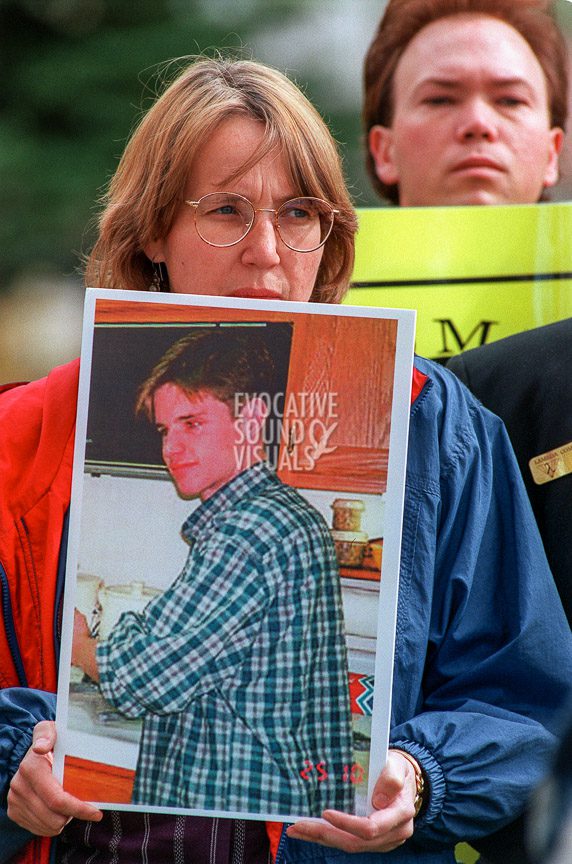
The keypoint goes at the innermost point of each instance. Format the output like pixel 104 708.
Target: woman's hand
pixel 387 828
pixel 36 800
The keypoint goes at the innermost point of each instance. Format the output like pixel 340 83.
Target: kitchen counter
pixel 96 731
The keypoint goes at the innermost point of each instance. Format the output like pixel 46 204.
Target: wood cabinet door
pixel 337 410
pixel 96 781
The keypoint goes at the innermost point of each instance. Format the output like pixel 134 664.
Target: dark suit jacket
pixel 527 380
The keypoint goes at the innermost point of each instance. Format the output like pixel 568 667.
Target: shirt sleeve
pixel 498 659
pixel 20 709
pixel 193 636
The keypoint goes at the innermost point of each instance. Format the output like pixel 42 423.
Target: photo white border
pixel 388 590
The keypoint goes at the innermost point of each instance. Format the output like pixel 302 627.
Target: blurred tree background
pixel 76 75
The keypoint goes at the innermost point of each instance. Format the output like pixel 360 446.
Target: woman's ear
pixel 380 141
pixel 154 251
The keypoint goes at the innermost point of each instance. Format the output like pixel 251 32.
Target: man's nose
pixel 171 445
pixel 478 120
pixel 260 246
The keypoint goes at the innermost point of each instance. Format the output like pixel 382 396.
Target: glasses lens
pixel 305 223
pixel 223 218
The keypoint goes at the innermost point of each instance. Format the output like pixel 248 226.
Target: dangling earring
pixel 158 282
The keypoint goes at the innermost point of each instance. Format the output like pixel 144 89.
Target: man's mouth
pixel 177 467
pixel 478 163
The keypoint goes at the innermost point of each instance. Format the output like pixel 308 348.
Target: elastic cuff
pixel 435 780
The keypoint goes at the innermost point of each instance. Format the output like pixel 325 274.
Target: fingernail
pixel 380 801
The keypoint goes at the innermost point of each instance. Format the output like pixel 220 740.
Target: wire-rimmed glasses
pixel 225 218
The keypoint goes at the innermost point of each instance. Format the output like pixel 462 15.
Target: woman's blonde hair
pixel 147 189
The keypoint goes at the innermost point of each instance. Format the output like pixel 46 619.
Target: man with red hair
pixel 465 102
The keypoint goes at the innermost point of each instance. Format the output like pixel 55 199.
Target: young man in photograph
pixel 239 668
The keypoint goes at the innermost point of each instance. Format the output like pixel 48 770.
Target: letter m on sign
pixel 452 341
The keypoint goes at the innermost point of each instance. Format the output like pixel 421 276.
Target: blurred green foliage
pixel 75 76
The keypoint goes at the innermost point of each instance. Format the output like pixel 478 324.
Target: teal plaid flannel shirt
pixel 239 668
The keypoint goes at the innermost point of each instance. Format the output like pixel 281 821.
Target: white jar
pixel 117 599
pixel 87 588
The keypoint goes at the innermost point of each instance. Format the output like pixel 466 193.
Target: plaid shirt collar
pixel 247 484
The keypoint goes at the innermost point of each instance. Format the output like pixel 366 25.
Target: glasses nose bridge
pixel 273 217
pixel 272 210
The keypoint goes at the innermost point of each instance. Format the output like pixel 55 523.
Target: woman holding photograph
pixel 483 651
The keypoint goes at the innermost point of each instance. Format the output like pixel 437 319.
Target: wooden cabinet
pixel 338 404
pixel 95 781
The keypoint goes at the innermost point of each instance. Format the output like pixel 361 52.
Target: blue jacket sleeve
pixel 20 710
pixel 12 837
pixel 483 649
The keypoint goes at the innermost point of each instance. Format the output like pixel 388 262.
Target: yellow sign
pixel 474 274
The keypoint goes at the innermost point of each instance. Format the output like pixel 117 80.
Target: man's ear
pixel 380 141
pixel 552 168
pixel 250 419
pixel 255 409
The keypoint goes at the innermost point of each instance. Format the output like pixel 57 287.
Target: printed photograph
pixel 232 565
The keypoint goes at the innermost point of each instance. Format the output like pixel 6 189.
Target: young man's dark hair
pixel 402 21
pixel 222 361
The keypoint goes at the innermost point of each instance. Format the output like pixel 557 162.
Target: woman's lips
pixel 256 293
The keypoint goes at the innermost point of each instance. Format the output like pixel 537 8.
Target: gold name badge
pixel 552 465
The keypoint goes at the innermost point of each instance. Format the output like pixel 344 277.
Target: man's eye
pixel 438 100
pixel 511 101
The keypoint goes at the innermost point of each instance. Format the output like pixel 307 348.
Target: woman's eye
pixel 297 214
pixel 225 210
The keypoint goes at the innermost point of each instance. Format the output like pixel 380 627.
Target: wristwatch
pixel 419 781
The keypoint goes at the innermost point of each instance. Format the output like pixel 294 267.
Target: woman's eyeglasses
pixel 225 218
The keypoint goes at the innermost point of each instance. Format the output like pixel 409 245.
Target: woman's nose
pixel 260 246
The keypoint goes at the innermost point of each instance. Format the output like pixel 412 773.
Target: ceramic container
pixel 350 547
pixel 116 599
pixel 347 514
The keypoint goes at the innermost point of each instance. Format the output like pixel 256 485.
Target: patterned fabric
pixel 361 693
pixel 152 838
pixel 239 668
